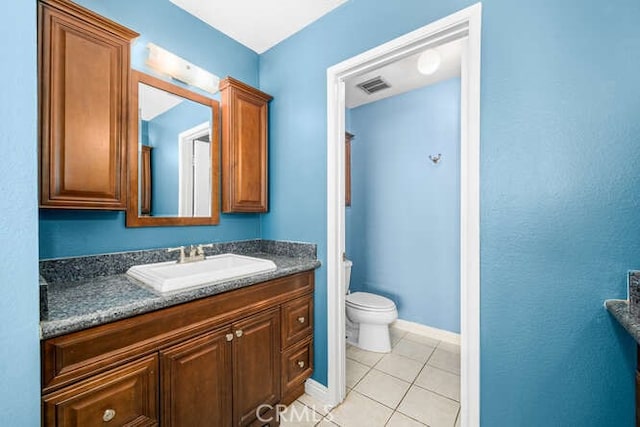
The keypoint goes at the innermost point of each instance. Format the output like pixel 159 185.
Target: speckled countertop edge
pixel 77 305
pixel 619 308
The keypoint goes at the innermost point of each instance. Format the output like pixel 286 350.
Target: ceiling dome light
pixel 429 62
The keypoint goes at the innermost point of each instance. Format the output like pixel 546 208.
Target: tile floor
pixel 417 384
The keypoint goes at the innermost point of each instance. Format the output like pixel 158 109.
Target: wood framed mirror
pixel 173 155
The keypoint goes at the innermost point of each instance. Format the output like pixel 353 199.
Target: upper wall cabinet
pixel 244 147
pixel 83 78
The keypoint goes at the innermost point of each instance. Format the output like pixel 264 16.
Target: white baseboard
pixel 318 391
pixel 435 333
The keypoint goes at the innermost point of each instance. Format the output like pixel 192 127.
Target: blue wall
pixel 403 226
pixel 559 190
pixel 163 131
pixel 19 345
pixel 66 233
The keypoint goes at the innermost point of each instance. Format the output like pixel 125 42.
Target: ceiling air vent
pixel 374 85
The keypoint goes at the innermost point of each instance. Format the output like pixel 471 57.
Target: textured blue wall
pixel 66 233
pixel 19 345
pixel 559 190
pixel 163 131
pixel 403 226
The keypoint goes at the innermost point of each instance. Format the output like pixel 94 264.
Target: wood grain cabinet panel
pixel 297 320
pixel 196 382
pixel 256 365
pixel 84 74
pixel 125 396
pixel 244 147
pixel 297 366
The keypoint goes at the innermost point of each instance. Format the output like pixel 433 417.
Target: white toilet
pixel 368 318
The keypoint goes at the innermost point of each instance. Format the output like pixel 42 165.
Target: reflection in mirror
pixel 176 158
pixel 175 175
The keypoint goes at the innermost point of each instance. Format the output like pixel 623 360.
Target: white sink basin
pixel 171 276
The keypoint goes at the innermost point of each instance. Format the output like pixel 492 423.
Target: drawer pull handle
pixel 301 319
pixel 108 415
pixel 301 363
pixel 239 333
pixel 229 337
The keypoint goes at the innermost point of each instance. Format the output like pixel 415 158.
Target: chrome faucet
pixel 196 253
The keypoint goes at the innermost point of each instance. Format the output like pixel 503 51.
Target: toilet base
pixel 374 338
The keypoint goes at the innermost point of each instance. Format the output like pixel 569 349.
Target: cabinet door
pixel 244 147
pixel 126 396
pixel 84 72
pixel 196 382
pixel 256 365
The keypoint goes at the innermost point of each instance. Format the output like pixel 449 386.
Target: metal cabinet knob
pixel 108 415
pixel 301 363
pixel 301 319
pixel 229 337
pixel 239 333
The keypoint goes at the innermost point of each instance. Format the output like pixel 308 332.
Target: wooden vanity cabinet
pixel 83 85
pixel 209 362
pixel 244 147
pixel 123 396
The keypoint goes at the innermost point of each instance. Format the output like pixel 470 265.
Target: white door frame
pixel 185 194
pixel 463 24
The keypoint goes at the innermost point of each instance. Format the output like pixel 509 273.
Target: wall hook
pixel 435 158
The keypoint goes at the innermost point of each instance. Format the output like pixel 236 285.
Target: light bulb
pixel 429 62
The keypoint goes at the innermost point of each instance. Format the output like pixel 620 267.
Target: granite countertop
pixel 73 305
pixel 619 308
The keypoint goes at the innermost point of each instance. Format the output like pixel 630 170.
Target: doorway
pixel 463 25
pixel 194 172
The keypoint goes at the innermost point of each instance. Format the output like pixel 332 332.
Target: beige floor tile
pixel 360 411
pixel 413 350
pixel 429 408
pixel 439 381
pixel 452 348
pixel 383 388
pixel 365 357
pixel 399 366
pixel 422 339
pixel 445 360
pixel 316 405
pixel 299 415
pixel 355 372
pixel 396 335
pixel 326 423
pixel 400 420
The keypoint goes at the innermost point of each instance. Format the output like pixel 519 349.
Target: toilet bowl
pixel 370 316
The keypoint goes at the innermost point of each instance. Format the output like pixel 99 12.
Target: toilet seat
pixel 369 302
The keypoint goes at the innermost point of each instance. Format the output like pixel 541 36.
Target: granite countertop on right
pixel 619 308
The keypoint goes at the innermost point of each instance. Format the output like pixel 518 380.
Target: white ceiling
pixel 152 102
pixel 403 75
pixel 258 24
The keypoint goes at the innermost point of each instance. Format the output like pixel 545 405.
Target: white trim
pixel 427 331
pixel 316 390
pixel 184 137
pixel 465 23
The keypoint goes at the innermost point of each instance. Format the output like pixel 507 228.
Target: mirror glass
pixel 174 155
pixel 174 159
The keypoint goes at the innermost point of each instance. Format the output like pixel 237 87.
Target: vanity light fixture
pixel 165 62
pixel 429 61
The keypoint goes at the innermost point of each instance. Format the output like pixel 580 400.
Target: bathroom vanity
pixel 218 355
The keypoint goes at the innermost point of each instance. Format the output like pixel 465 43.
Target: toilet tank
pixel 347 274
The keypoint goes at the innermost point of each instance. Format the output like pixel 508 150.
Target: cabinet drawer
pixel 124 396
pixel 297 320
pixel 297 366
